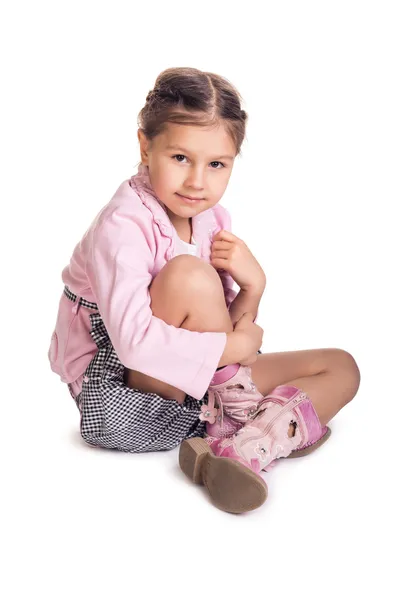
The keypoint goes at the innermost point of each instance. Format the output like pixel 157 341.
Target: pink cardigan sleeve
pixel 119 269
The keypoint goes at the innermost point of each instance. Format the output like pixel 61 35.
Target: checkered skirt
pixel 118 417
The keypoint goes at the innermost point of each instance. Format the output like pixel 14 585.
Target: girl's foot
pixel 232 485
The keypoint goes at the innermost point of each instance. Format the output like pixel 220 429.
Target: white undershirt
pixel 192 247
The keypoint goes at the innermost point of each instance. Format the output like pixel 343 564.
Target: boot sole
pixel 232 487
pixel 309 449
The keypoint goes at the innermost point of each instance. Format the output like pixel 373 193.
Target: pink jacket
pixel 128 243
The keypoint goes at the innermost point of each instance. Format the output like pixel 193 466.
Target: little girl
pixel 156 347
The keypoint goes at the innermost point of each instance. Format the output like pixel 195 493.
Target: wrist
pixel 233 349
pixel 254 289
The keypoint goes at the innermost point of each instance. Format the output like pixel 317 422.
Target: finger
pixel 252 360
pixel 220 254
pixel 221 245
pixel 219 263
pixel 227 236
pixel 249 361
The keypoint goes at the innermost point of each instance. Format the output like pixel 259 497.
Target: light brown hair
pixel 188 96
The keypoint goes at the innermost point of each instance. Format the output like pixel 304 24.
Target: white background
pixel 315 196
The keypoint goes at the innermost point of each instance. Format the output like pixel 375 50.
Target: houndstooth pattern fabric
pixel 71 296
pixel 118 417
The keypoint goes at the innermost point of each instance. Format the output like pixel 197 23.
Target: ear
pixel 144 146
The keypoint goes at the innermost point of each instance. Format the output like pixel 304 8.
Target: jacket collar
pixel 203 224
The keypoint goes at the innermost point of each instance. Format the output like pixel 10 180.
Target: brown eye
pixel 181 155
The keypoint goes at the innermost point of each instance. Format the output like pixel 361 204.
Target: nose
pixel 195 179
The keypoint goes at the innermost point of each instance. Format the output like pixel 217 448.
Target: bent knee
pixel 188 263
pixel 349 368
pixel 193 272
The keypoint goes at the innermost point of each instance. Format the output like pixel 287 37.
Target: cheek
pixel 169 181
pixel 218 190
pixel 165 183
pixel 222 183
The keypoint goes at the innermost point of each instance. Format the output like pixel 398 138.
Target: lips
pixel 189 200
pixel 189 197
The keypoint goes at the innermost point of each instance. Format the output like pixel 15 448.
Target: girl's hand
pixel 230 253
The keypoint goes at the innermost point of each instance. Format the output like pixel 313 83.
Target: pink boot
pixel 233 394
pixel 231 484
pixel 229 467
pixel 233 400
pixel 266 437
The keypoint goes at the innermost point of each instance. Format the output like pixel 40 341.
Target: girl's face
pixel 190 161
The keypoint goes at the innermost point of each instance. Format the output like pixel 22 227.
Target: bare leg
pixel 329 376
pixel 186 293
